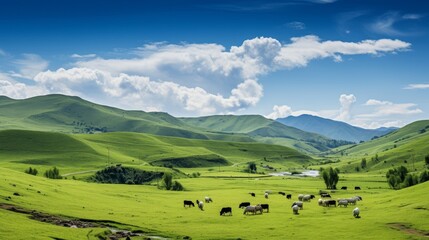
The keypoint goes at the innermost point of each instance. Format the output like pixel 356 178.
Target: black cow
pixel 329 203
pixel 252 194
pixel 325 195
pixel 266 207
pixel 357 188
pixel 289 196
pixel 244 204
pixel 344 188
pixel 282 193
pixel 188 203
pixel 225 210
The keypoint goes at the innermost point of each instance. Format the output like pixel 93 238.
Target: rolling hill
pixel 406 146
pixel 20 149
pixel 265 130
pixel 333 129
pixel 68 114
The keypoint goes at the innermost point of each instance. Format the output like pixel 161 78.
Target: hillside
pixel 407 146
pixel 333 129
pixel 68 114
pixel 21 149
pixel 266 130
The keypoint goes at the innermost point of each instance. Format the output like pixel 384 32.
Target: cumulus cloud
pixel 30 65
pixel 417 86
pixel 11 88
pixel 385 108
pixel 281 111
pixel 346 102
pixel 138 91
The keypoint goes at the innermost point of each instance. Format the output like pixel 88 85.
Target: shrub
pixel 125 175
pixel 331 177
pixel 53 173
pixel 31 171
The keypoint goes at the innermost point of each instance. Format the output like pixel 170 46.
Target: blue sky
pixel 362 62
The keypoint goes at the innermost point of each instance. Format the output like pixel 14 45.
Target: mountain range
pixel 333 129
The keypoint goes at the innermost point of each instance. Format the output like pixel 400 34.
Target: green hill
pixel 266 130
pixel 21 149
pixel 406 146
pixel 67 114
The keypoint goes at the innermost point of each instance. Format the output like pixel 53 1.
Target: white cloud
pixel 296 25
pixel 412 16
pixel 11 88
pixel 91 55
pixel 281 111
pixel 30 65
pixel 386 108
pixel 385 24
pixel 346 102
pixel 131 91
pixel 418 86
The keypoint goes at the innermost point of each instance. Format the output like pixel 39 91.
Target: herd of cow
pixel 296 205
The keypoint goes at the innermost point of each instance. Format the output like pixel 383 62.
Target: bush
pixel 399 177
pixel 53 173
pixel 168 183
pixel 124 175
pixel 31 171
pixel 331 177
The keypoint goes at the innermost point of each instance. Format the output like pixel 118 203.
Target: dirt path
pixel 403 227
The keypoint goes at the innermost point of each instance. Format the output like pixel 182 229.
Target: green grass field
pixel 161 213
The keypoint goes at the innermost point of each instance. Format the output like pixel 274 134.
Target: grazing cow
pixel 252 194
pixel 307 198
pixel 343 188
pixel 208 199
pixel 325 195
pixel 188 203
pixel 299 204
pixel 320 202
pixel 244 204
pixel 282 193
pixel 330 202
pixel 357 188
pixel 343 202
pixel 265 206
pixel 295 209
pixel 351 200
pixel 300 197
pixel 266 195
pixel 356 213
pixel 200 205
pixel 289 196
pixel 253 209
pixel 225 210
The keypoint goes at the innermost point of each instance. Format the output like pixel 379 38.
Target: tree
pixel 53 173
pixel 252 167
pixel 424 176
pixel 167 181
pixel 31 171
pixel 330 177
pixel 363 163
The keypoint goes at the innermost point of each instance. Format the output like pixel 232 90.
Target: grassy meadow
pixel 161 213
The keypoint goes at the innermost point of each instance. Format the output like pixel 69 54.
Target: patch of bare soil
pixel 74 223
pixel 408 229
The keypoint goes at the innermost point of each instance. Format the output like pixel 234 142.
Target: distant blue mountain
pixel 333 129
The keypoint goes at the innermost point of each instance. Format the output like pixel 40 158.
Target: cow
pixel 357 188
pixel 252 194
pixel 325 195
pixel 244 204
pixel 225 210
pixel 356 213
pixel 200 205
pixel 188 203
pixel 299 204
pixel 253 209
pixel 343 202
pixel 330 202
pixel 282 193
pixel 265 206
pixel 307 198
pixel 208 199
pixel 343 188
pixel 289 196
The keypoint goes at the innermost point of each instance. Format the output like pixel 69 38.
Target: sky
pixel 362 62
